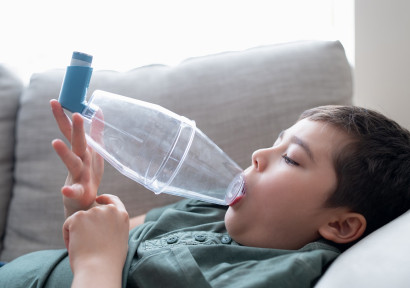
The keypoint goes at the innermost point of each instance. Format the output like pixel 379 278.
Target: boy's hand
pixel 97 242
pixel 85 166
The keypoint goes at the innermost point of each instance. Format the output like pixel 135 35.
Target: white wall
pixel 125 34
pixel 382 57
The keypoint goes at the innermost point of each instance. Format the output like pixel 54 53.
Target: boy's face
pixel 287 187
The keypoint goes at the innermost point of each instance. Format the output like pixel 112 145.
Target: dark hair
pixel 373 169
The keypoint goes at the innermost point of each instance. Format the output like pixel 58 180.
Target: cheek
pixel 280 185
pixel 289 189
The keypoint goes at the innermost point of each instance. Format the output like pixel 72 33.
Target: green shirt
pixel 185 245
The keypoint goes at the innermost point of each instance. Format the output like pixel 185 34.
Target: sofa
pixel 240 99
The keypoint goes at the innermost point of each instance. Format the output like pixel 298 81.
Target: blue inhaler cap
pixel 76 81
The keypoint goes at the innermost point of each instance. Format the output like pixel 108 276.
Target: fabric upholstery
pixel 10 91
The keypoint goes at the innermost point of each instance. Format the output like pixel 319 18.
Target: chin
pixel 230 222
pixel 234 227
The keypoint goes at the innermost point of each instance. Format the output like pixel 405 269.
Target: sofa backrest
pixel 241 100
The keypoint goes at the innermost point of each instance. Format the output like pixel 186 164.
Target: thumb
pixel 107 199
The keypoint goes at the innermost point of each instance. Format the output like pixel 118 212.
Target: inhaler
pixel 161 150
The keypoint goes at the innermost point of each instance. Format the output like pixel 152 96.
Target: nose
pixel 260 159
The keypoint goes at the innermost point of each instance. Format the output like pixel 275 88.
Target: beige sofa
pixel 241 100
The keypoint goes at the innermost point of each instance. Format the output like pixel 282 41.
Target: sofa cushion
pixel 10 91
pixel 241 100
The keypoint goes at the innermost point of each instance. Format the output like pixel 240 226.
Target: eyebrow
pixel 296 140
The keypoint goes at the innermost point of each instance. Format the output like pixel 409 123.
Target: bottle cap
pixel 81 59
pixel 76 81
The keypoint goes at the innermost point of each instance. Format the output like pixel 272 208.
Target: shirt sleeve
pixel 48 268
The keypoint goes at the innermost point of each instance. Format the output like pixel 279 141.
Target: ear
pixel 346 228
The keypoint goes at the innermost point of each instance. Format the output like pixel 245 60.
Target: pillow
pixel 379 260
pixel 10 91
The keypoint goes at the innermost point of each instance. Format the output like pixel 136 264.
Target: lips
pixel 239 197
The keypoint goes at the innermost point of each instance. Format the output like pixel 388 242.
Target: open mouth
pixel 240 195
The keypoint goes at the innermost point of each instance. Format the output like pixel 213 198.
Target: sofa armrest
pixel 10 92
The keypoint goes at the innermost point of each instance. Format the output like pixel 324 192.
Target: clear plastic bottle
pixel 157 148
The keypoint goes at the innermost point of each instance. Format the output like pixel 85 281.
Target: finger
pixel 78 140
pixel 107 199
pixel 70 160
pixel 66 232
pixel 64 123
pixel 75 191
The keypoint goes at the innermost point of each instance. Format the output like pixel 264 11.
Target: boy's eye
pixel 289 160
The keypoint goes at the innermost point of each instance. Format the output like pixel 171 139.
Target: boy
pixel 336 175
